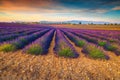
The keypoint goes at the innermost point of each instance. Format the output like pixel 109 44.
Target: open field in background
pixel 19 65
pixel 84 26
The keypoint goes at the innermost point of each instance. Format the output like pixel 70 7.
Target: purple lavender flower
pixel 63 47
pixel 41 45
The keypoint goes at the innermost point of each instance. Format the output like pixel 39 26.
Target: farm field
pixel 84 26
pixel 53 52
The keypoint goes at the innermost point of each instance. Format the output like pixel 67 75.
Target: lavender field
pixel 36 40
pixel 59 39
pixel 55 48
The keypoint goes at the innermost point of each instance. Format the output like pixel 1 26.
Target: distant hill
pixel 87 22
pixel 74 22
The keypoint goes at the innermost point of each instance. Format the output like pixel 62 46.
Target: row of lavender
pixel 95 44
pixel 21 42
pixel 17 36
pixel 63 47
pixel 34 40
pixel 11 31
pixel 37 41
pixel 9 28
pixel 90 49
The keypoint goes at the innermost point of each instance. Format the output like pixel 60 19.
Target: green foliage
pixel 35 49
pixel 117 51
pixel 110 47
pixel 81 43
pixel 66 52
pixel 101 43
pixel 7 48
pixel 23 40
pixel 94 52
pixel 20 44
pixel 111 40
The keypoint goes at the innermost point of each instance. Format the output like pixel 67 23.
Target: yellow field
pixel 84 26
pixel 20 66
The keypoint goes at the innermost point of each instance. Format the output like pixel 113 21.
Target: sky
pixel 59 10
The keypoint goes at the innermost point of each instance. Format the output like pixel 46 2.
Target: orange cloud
pixel 116 8
pixel 41 6
pixel 25 5
pixel 36 10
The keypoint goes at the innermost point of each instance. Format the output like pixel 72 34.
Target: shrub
pixel 90 39
pixel 93 52
pixel 66 52
pixel 96 53
pixel 7 48
pixel 110 47
pixel 81 43
pixel 18 45
pixel 23 40
pixel 111 40
pixel 34 49
pixel 101 43
pixel 117 52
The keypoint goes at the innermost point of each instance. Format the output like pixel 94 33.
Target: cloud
pixel 116 8
pixel 100 10
pixel 25 5
pixel 56 9
pixel 59 6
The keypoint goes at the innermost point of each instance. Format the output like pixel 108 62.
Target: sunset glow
pixel 59 10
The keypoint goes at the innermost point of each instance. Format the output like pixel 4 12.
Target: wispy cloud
pixel 116 8
pixel 60 6
pixel 85 9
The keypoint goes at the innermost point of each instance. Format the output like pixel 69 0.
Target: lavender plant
pixel 21 42
pixel 63 47
pixel 78 41
pixel 94 52
pixel 41 45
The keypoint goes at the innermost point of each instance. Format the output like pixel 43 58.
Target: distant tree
pixel 115 24
pixel 105 24
pixel 91 23
pixel 111 24
pixel 80 23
